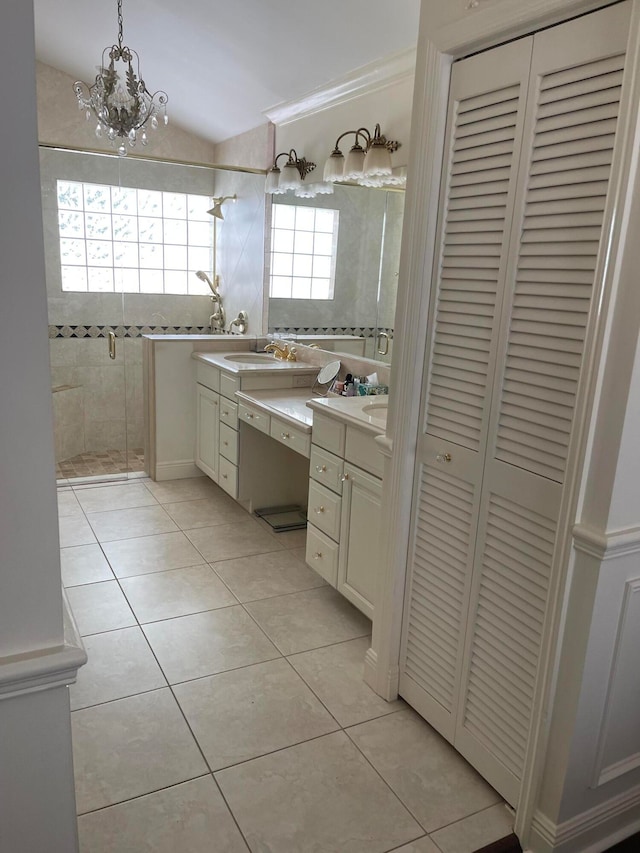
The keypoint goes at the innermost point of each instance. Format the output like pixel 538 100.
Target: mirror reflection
pixel 334 267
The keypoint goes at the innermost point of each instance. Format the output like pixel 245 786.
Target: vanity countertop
pixel 224 361
pixel 352 411
pixel 288 404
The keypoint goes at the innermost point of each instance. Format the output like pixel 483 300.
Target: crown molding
pixel 361 81
pixel 606 545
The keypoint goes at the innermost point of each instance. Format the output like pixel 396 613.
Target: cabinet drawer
pixel 253 417
pixel 229 413
pixel 328 434
pixel 208 376
pixel 229 385
pixel 326 469
pixel 324 510
pixel 362 450
pixel 229 443
pixel 322 555
pixel 228 477
pixel 290 436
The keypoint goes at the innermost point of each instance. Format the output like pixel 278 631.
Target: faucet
pixel 218 317
pixel 241 321
pixel 281 351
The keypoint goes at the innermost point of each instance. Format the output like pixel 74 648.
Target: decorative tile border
pixel 359 331
pixel 124 331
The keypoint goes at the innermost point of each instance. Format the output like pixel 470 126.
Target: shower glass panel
pixel 85 316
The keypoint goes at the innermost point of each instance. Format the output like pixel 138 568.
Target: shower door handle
pixel 112 344
pixel 383 343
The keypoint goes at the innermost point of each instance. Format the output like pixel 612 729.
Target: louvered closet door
pixel 564 169
pixel 485 123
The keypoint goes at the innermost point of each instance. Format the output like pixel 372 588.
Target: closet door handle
pixel 112 344
pixel 318 510
pixel 443 457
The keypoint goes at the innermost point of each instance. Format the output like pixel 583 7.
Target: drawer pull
pixel 318 510
pixel 443 457
pixel 250 415
pixel 321 469
pixel 317 555
pixel 345 478
pixel 285 435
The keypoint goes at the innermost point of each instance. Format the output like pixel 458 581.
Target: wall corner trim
pixel 606 545
pixel 364 80
pixel 590 831
pixel 46 668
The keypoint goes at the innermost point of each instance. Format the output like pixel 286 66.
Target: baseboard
pixel 177 470
pixel 593 831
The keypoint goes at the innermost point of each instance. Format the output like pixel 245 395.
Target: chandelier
pixel 119 98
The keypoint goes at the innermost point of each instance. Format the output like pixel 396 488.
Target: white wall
pixel 37 806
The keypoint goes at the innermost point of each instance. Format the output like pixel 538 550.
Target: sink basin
pixel 376 410
pixel 249 358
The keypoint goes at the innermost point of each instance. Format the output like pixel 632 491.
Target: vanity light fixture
pixel 291 176
pixel 119 98
pixel 368 161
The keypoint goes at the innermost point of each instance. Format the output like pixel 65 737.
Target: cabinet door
pixel 358 564
pixel 207 430
pixel 568 141
pixel 484 134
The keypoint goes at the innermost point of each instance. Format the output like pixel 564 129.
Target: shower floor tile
pixel 97 464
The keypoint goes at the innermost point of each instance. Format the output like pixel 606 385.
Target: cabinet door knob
pixel 321 469
pixel 318 510
pixel 317 555
pixel 443 457
pixel 285 435
pixel 225 413
pixel 226 443
pixel 345 477
pixel 249 415
pixel 224 477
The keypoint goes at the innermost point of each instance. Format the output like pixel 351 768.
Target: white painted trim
pixel 44 669
pixel 602 774
pixel 606 545
pixel 614 820
pixel 361 81
pixel 177 470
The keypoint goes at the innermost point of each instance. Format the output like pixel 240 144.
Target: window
pixel 122 239
pixel 303 252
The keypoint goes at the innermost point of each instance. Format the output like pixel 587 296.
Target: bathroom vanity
pixel 345 495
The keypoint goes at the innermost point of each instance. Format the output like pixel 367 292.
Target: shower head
pixel 204 277
pixel 216 210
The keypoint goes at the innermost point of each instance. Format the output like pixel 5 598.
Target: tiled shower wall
pixel 101 405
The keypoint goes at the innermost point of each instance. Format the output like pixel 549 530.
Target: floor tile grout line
pixel 140 796
pixel 379 774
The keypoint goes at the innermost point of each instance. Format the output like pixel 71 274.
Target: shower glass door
pixel 80 195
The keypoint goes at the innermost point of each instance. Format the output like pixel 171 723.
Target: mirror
pixel 336 274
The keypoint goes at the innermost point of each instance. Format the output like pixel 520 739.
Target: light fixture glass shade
pixel 334 167
pixel 272 185
pixel 354 164
pixel 323 188
pixel 377 160
pixel 290 177
pixel 305 191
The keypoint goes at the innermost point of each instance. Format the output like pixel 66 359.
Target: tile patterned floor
pixel 99 464
pixel 223 707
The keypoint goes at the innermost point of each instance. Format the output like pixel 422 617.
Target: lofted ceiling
pixel 224 62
